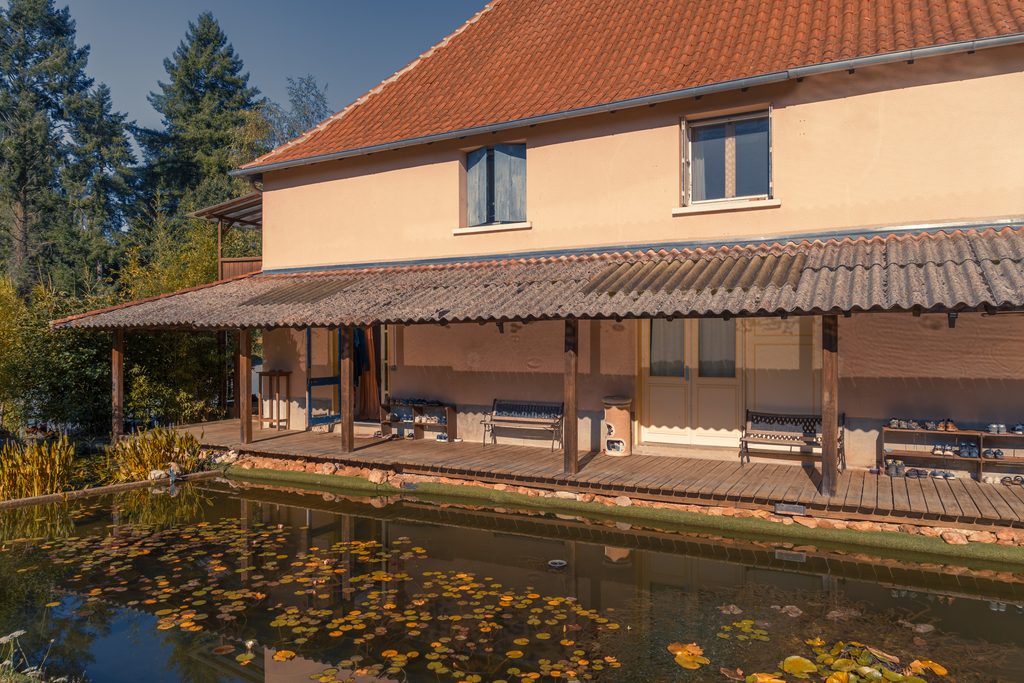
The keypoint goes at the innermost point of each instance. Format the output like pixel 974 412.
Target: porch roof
pixel 952 270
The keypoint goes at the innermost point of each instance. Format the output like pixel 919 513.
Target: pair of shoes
pixel 942 474
pixel 997 428
pixel 1012 481
pixel 993 454
pixel 947 425
pixel 968 450
pixel 916 473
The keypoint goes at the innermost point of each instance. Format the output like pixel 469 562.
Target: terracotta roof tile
pixel 962 269
pixel 517 59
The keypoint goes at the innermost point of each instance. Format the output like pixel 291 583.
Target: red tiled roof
pixel 932 271
pixel 518 59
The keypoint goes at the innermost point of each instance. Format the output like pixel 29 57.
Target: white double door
pixel 691 382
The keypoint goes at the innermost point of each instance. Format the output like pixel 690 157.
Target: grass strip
pixel 894 544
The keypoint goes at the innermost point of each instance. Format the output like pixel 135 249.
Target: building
pixel 708 207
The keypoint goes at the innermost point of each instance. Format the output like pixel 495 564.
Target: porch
pixel 678 479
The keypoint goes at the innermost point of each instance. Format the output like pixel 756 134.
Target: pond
pixel 225 582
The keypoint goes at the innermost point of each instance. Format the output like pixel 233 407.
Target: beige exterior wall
pixel 890 145
pixel 891 365
pixel 896 365
pixel 471 365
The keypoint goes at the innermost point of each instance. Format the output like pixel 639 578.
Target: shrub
pixel 133 458
pixel 37 468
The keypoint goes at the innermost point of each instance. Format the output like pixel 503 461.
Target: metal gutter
pixel 655 246
pixel 647 100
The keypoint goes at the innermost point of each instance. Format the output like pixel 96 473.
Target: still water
pixel 226 583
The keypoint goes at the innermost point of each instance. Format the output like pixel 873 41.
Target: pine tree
pixel 307 106
pixel 42 71
pixel 98 180
pixel 204 104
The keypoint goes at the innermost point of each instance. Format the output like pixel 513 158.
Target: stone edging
pixel 382 477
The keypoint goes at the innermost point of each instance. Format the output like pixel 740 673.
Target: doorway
pixel 691 384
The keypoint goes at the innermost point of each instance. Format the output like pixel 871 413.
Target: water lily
pixel 920 666
pixel 689 656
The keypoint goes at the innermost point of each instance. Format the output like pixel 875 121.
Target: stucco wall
pixel 471 365
pixel 890 145
pixel 285 349
pixel 896 365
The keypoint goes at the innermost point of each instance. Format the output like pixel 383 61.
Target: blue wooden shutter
pixel 509 183
pixel 476 187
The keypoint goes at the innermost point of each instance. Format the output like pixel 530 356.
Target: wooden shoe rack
pixel 917 444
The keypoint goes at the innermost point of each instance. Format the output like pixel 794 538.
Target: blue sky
pixel 350 44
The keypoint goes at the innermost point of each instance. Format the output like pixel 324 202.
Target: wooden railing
pixel 233 267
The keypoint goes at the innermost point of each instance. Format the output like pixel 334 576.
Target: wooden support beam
pixel 243 384
pixel 570 429
pixel 347 388
pixel 829 404
pixel 235 364
pixel 117 386
pixel 222 370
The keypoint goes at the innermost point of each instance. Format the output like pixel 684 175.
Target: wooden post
pixel 570 430
pixel 117 387
pixel 236 363
pixel 347 391
pixel 829 404
pixel 222 368
pixel 243 384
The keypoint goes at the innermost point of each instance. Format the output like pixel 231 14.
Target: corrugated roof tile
pixel 902 271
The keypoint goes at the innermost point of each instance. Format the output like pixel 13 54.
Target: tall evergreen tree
pixel 42 71
pixel 98 179
pixel 307 106
pixel 205 103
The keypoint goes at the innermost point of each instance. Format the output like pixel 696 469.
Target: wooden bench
pixel 525 415
pixel 765 434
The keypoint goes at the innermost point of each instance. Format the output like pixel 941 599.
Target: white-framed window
pixel 727 158
pixel 496 185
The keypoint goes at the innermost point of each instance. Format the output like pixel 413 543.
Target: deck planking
pixel 686 479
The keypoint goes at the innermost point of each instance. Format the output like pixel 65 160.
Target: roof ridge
pixel 377 88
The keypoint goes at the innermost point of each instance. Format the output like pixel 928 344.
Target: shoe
pixel 950 427
pixel 988 454
pixel 998 454
pixel 1018 428
pixel 931 425
pixel 993 428
pixel 946 474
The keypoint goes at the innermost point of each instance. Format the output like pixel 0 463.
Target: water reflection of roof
pixel 903 573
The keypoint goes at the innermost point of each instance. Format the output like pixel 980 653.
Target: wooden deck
pixel 860 495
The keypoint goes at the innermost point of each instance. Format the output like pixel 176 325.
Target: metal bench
pixel 765 434
pixel 525 415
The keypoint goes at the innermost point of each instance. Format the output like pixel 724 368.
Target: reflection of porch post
pixel 346 378
pixel 243 395
pixel 829 404
pixel 117 386
pixel 570 436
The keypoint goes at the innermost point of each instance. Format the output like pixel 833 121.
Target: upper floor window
pixel 729 158
pixel 496 185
